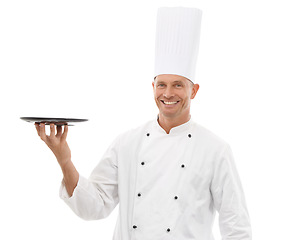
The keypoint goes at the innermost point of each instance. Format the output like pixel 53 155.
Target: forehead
pixel 170 78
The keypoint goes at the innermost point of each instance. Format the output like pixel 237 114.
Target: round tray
pixel 56 121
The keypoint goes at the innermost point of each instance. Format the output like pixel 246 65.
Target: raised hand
pixel 57 143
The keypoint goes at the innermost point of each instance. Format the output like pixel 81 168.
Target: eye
pixel 161 85
pixel 179 85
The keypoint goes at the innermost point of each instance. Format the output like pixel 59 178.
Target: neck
pixel 168 123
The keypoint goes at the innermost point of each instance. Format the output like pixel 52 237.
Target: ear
pixel 153 84
pixel 194 90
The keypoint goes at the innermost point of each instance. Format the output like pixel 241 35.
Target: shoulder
pixel 209 139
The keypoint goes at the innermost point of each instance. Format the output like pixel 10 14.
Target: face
pixel 173 94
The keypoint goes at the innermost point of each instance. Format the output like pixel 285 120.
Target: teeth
pixel 169 103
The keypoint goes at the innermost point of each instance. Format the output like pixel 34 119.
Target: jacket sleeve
pixel 229 200
pixel 96 197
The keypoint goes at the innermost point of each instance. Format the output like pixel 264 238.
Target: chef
pixel 171 174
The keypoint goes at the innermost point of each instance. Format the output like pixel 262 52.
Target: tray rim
pixel 56 121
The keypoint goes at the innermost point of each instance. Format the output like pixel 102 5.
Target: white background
pixel 95 59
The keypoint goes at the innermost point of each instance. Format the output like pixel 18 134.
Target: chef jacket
pixel 167 186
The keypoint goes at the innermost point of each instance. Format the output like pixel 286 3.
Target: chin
pixel 168 114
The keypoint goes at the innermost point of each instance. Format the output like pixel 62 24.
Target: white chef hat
pixel 177 41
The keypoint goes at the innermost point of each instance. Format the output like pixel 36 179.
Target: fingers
pixel 37 128
pixel 52 130
pixel 42 132
pixel 59 131
pixel 64 135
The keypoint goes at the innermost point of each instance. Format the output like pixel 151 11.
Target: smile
pixel 169 103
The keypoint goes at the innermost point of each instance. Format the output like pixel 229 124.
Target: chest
pixel 167 162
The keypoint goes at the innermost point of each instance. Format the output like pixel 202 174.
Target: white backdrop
pixel 95 59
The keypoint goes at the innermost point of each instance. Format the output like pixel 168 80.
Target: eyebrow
pixel 175 82
pixel 178 81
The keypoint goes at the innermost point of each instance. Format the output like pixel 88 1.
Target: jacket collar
pixel 175 130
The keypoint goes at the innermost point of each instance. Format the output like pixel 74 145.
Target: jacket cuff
pixel 63 194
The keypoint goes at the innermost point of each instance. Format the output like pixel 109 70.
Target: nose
pixel 168 92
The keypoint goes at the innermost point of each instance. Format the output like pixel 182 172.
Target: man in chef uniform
pixel 170 174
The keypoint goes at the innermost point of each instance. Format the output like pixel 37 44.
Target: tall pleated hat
pixel 177 41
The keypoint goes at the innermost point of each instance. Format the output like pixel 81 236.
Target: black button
pixel 176 197
pixel 183 166
pixel 134 226
pixel 189 135
pixel 147 134
pixel 139 194
pixel 142 163
pixel 168 229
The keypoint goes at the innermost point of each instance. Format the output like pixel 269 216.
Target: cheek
pixel 186 95
pixel 189 94
pixel 157 93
